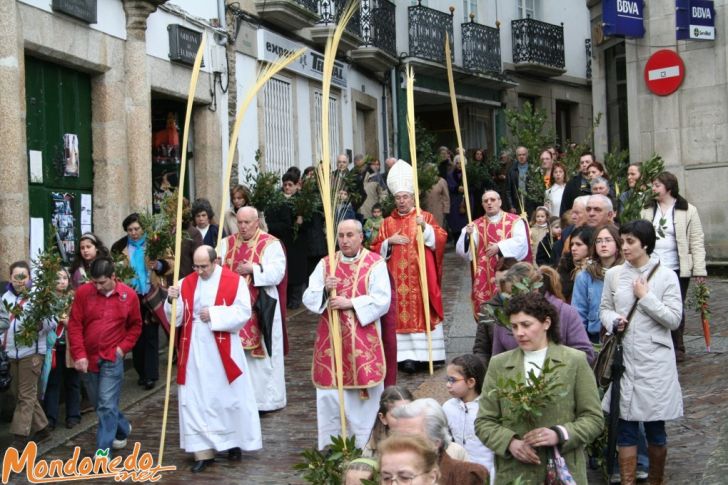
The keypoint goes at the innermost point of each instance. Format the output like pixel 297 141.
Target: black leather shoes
pixel 235 454
pixel 408 366
pixel 200 465
pixel 149 384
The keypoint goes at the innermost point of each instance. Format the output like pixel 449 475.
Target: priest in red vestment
pixel 496 235
pixel 397 242
pixel 259 258
pixel 362 297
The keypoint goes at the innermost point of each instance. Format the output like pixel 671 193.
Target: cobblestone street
pixel 698 442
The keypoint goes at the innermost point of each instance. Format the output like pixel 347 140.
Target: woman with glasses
pixel 408 460
pixel 589 282
pixel 570 422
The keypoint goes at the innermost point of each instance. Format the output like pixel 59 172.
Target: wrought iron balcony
pixel 378 25
pixel 378 50
pixel 330 12
pixel 481 47
pixel 427 28
pixel 538 47
pixel 289 14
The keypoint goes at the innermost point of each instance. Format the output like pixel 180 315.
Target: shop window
pixel 278 151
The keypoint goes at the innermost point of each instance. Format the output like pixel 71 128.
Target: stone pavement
pixel 698 442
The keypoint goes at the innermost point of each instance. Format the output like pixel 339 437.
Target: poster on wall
pixel 64 222
pixel 70 155
pixel 86 206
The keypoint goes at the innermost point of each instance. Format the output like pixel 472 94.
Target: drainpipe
pixel 221 39
pixel 394 78
pixel 384 120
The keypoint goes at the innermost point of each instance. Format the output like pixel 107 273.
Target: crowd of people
pixel 549 281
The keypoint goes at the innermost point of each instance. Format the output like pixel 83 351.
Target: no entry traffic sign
pixel 664 72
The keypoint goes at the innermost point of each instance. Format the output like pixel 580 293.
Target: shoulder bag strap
pixel 634 306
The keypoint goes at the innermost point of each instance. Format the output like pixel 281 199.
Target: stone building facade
pixel 688 128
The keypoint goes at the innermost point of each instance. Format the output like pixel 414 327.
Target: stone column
pixel 138 103
pixel 111 170
pixel 14 203
pixel 208 161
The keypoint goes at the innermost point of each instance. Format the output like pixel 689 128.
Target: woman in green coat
pixel 572 421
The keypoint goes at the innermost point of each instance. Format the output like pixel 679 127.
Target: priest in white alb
pixel 217 409
pixel 496 235
pixel 259 258
pixel 363 294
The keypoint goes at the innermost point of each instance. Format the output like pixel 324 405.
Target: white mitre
pixel 400 179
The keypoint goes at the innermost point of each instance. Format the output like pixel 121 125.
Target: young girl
pixel 545 254
pixel 539 226
pixel 58 373
pixel 392 397
pixel 360 469
pixel 465 376
pixel 589 282
pixel 575 259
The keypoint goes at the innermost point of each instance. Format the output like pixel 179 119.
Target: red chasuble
pixel 227 290
pixel 362 352
pixel 484 286
pixel 404 267
pixel 239 251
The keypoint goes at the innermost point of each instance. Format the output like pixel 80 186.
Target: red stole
pixel 239 251
pixel 404 267
pixel 362 352
pixel 484 286
pixel 226 292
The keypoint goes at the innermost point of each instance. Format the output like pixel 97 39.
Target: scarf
pixel 137 261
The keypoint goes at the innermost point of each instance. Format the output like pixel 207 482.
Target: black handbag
pixel 603 363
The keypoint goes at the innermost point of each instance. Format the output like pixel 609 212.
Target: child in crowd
pixel 392 397
pixel 58 372
pixel 545 254
pixel 372 225
pixel 465 376
pixel 360 469
pixel 344 209
pixel 539 226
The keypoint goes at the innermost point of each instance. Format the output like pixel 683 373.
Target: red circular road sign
pixel 664 72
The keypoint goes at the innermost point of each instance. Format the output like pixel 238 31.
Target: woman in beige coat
pixel 649 388
pixel 438 201
pixel 680 241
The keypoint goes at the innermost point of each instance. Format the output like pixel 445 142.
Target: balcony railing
pixel 537 42
pixel 427 28
pixel 588 48
pixel 310 5
pixel 378 25
pixel 481 47
pixel 330 12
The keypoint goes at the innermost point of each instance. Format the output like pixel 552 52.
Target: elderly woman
pixel 149 276
pixel 571 422
pixel 408 459
pixel 649 387
pixel 681 245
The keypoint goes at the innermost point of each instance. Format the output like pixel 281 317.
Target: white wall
pixel 109 13
pixel 248 141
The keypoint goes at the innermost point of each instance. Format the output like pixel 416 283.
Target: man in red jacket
pixel 104 325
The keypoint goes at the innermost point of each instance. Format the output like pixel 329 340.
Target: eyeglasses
pixel 453 380
pixel 400 479
pixel 200 266
pixel 606 240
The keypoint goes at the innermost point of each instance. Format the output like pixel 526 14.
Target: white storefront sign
pixel 272 46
